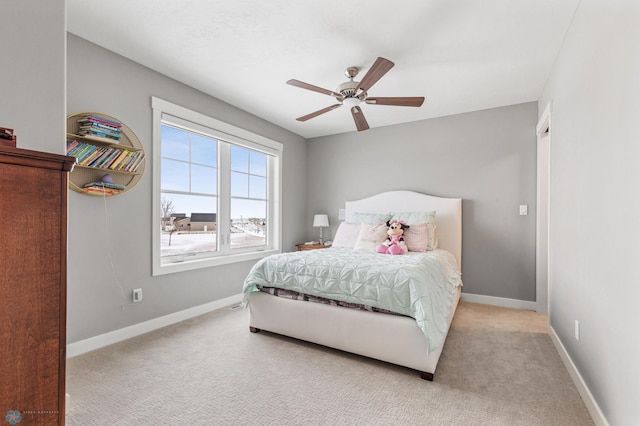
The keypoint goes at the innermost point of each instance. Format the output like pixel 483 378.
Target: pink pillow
pixel 416 237
pixel 421 237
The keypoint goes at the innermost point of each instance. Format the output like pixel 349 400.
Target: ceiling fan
pixel 352 93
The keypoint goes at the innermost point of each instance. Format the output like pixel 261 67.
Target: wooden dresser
pixel 33 285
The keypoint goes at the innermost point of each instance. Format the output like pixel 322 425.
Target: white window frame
pixel 167 112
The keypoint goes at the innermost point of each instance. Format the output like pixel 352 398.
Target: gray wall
pixel 594 91
pixel 110 243
pixel 32 75
pixel 487 158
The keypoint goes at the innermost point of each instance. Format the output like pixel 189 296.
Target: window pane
pixel 248 223
pixel 204 150
pixel 175 175
pixel 257 187
pixel 258 163
pixel 204 179
pixel 175 143
pixel 188 228
pixel 187 204
pixel 239 184
pixel 239 159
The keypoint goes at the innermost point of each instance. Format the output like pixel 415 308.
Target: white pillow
pixel 432 241
pixel 359 217
pixel 346 235
pixel 415 217
pixel 371 235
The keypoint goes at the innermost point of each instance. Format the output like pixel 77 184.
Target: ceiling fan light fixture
pixel 350 102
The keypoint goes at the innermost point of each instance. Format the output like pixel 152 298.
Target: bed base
pixel 423 374
pixel 390 338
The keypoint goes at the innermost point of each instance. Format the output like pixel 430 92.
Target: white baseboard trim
pixel 106 339
pixel 596 414
pixel 499 301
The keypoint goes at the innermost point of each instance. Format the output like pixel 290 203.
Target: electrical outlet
pixel 137 295
pixel 577 330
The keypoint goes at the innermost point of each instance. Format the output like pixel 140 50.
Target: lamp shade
pixel 320 220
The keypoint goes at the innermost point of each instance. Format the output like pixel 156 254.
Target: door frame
pixel 543 283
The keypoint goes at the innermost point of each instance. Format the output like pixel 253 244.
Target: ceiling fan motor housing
pixel 348 90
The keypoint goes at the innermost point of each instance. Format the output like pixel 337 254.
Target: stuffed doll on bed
pixel 394 244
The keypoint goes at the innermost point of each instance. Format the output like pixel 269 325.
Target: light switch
pixel 523 209
pixel 341 214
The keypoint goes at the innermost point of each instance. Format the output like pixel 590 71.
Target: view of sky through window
pixel 190 195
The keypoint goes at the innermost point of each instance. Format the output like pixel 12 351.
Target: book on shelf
pixel 91 159
pixel 99 129
pixel 99 119
pixel 74 146
pixel 134 162
pixel 86 150
pixel 75 151
pixel 89 153
pixel 101 190
pixel 99 133
pixel 126 162
pixel 99 162
pixel 112 157
pixel 137 163
pixel 88 124
pixel 71 144
pixel 119 160
pixel 102 139
pixel 104 153
pixel 103 157
pixel 107 185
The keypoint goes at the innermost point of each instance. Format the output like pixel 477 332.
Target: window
pixel 216 191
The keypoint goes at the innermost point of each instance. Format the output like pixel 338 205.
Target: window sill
pixel 191 265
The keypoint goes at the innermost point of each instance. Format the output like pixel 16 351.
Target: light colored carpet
pixel 498 367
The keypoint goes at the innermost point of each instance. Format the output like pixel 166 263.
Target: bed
pixel 397 339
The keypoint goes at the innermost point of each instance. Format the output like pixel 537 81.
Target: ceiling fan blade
pixel 358 117
pixel 379 68
pixel 408 101
pixel 319 112
pixel 313 88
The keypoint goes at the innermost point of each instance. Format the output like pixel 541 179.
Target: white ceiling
pixel 462 55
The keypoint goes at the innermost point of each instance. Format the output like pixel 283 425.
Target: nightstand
pixel 311 246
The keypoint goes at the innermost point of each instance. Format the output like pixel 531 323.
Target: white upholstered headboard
pixel 448 213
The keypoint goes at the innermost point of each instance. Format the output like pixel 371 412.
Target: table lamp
pixel 320 221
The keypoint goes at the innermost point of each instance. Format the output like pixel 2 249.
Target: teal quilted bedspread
pixel 419 285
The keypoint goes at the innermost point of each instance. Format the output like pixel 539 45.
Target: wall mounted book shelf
pixel 103 145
